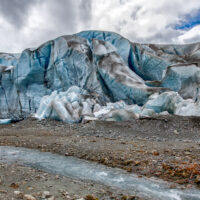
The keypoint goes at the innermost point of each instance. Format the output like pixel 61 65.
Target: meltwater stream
pixel 84 170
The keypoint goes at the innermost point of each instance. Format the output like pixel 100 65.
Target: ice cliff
pixel 100 75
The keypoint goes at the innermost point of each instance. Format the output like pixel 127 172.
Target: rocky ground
pixel 166 147
pixel 20 182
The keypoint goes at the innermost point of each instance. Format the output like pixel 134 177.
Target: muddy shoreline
pixel 166 147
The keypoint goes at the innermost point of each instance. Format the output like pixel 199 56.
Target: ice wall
pixel 104 64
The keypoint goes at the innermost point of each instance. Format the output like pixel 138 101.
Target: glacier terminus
pixel 96 75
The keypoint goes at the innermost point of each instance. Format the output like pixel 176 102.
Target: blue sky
pixel 190 21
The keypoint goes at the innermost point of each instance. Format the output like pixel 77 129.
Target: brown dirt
pixel 166 147
pixel 35 182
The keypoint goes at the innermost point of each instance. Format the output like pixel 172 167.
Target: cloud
pixel 191 35
pixel 15 11
pixel 85 8
pixel 29 23
pixel 143 20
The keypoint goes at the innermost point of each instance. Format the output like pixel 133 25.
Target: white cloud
pixel 47 19
pixel 149 21
pixel 191 35
pixel 143 20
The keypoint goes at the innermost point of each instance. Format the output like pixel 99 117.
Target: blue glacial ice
pixel 100 75
pixel 5 121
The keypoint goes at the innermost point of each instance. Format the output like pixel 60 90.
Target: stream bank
pixel 167 147
pixel 89 171
pixel 35 182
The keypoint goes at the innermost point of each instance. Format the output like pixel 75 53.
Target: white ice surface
pixel 74 105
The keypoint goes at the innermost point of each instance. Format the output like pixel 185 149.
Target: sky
pixel 29 23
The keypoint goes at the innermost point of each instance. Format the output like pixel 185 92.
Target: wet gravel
pixel 165 147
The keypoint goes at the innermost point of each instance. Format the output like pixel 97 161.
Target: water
pixel 5 121
pixel 84 170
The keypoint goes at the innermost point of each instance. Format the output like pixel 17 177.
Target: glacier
pixel 98 75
